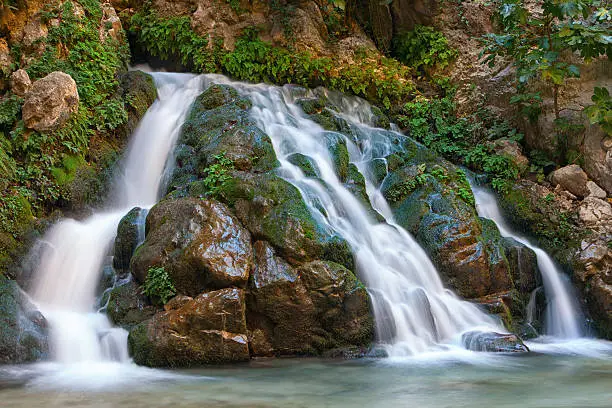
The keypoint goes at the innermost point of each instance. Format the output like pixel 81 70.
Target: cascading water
pixel 74 251
pixel 414 312
pixel 562 317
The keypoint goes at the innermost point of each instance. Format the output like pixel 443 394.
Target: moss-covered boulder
pixel 128 235
pixel 127 305
pixel 23 329
pixel 209 329
pixel 308 309
pixel 198 242
pixel 139 91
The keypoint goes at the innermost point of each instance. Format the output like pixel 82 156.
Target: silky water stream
pixel 419 322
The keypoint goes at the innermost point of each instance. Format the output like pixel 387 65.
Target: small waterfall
pixel 414 313
pixel 562 317
pixel 74 251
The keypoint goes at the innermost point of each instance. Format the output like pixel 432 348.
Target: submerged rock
pixel 211 328
pixel 23 329
pixel 199 243
pixel 493 342
pixel 50 102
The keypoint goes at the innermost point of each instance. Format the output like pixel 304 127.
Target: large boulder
pixel 308 309
pixel 199 243
pixel 51 101
pixel 23 329
pixel 127 306
pixel 573 179
pixel 210 328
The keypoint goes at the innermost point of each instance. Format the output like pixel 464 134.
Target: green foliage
pixel 465 140
pixel 601 111
pixel 10 108
pixel 423 48
pixel 217 174
pixel 159 285
pixel 381 80
pixel 538 44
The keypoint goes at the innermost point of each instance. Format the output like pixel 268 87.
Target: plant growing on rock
pixel 217 174
pixel 159 285
pixel 423 48
pixel 544 43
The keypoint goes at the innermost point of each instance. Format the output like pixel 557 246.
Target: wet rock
pixel 23 329
pixel 128 237
pixel 210 329
pixel 573 179
pixel 198 242
pixel 128 306
pixel 305 163
pixel 466 250
pixel 20 82
pixel 493 342
pixel 595 190
pixel 306 310
pixel 50 102
pixel 139 88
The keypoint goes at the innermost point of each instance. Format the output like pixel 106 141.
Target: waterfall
pixel 562 317
pixel 74 251
pixel 414 312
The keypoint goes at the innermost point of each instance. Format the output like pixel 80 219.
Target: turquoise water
pixel 464 380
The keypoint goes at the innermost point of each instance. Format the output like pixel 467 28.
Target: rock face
pixel 50 102
pixel 198 242
pixel 23 329
pixel 20 82
pixel 573 179
pixel 211 328
pixel 306 310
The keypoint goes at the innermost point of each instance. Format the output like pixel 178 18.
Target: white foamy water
pixel 74 251
pixel 562 316
pixel 414 312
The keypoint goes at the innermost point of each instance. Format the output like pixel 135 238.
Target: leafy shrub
pixel 423 48
pixel 217 174
pixel 158 284
pixel 601 111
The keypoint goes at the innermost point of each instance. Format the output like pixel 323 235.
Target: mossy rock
pixel 355 183
pixel 128 306
pixel 305 163
pixel 23 329
pixel 139 91
pixel 128 235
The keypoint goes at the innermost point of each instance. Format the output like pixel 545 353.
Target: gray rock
pixel 493 342
pixel 595 190
pixel 573 179
pixel 20 82
pixel 51 102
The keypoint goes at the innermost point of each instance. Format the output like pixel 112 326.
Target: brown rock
pixel 199 243
pixel 20 82
pixel 573 179
pixel 208 329
pixel 50 102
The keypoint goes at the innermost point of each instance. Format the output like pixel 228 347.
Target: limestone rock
pixel 595 190
pixel 199 243
pixel 573 179
pixel 20 82
pixel 594 211
pixel 208 329
pixel 50 102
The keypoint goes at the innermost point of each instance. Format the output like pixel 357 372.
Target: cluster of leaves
pixel 465 140
pixel 159 285
pixel 385 81
pixel 601 110
pixel 217 174
pixel 423 48
pixel 37 166
pixel 542 42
